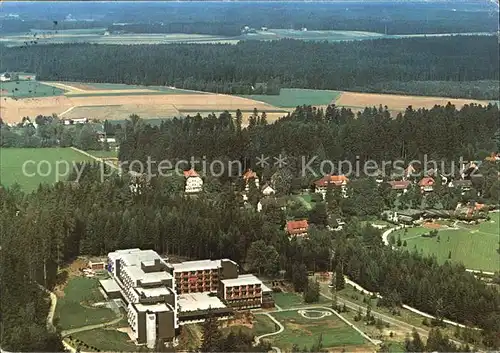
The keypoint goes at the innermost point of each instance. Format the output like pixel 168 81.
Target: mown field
pixel 28 89
pixel 475 246
pixel 292 97
pixel 41 165
pixel 306 332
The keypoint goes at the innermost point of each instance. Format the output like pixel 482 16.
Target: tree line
pixel 234 69
pixel 309 135
pixel 49 131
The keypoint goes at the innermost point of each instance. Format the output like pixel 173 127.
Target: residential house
pixel 408 216
pixel 268 190
pixel 400 186
pixel 5 77
pixel 426 184
pixel 322 184
pixel 75 121
pixel 248 177
pixel 194 183
pixel 494 157
pixel 297 228
pixel 463 185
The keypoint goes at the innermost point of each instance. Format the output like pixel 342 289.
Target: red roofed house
pixel 334 180
pixel 426 184
pixel 494 157
pixel 297 228
pixel 400 185
pixel 194 183
pixel 248 176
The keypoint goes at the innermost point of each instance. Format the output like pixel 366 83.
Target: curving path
pixel 91 327
pixel 281 329
pixel 52 309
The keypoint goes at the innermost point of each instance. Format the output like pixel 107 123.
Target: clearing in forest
pixel 473 245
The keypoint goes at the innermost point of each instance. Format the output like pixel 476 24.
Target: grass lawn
pixel 292 97
pixel 306 200
pixel 306 332
pixel 28 89
pixel 475 245
pixel 106 340
pixel 75 308
pixel 46 160
pixel 261 325
pixel 104 154
pixel 288 300
pixel 293 300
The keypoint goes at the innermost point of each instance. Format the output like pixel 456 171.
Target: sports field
pixel 105 340
pixel 306 332
pixel 28 89
pixel 475 246
pixel 41 165
pixel 76 308
pixel 292 97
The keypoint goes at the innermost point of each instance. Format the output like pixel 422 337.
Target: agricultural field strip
pixel 397 102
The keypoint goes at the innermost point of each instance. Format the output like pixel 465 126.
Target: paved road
pixel 386 318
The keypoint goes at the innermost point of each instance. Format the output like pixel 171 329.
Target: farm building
pixel 5 77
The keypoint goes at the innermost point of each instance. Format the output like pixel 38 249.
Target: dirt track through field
pixel 140 102
pixel 101 107
pixel 397 103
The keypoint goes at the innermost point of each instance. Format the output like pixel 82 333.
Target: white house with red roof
pixel 426 184
pixel 334 180
pixel 194 183
pixel 250 176
pixel 400 186
pixel 297 228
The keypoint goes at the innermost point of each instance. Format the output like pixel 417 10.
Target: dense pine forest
pixel 57 223
pixel 234 69
pixel 443 133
